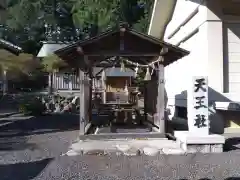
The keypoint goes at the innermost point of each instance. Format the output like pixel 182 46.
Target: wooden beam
pixel 90 93
pixel 127 54
pixel 116 65
pixel 105 66
pixel 107 136
pixel 86 99
pixel 145 102
pixel 159 118
pixel 82 107
pixel 97 74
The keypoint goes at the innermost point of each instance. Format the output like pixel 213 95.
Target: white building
pixel 210 30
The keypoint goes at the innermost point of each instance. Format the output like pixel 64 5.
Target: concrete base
pixel 192 143
pixel 128 147
pixel 231 130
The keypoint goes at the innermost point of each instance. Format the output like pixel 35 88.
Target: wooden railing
pixel 70 81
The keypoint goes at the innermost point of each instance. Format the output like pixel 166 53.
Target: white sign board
pixel 198 122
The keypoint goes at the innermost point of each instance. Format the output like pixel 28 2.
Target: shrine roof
pixel 114 72
pixel 10 47
pixel 124 42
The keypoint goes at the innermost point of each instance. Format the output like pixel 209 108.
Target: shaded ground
pixel 23 126
pixel 232 142
pixel 32 149
pixel 37 138
pixel 194 167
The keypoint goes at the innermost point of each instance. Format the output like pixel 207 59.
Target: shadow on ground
pixel 14 136
pixel 23 171
pixel 232 144
pixel 13 144
pixel 233 178
pixel 40 125
pixel 230 178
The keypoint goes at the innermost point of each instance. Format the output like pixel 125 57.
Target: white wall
pixel 220 61
pixel 232 34
pixel 206 48
pixel 179 74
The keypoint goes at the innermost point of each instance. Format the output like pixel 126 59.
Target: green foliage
pixel 142 24
pixel 32 106
pixel 26 18
pixel 23 63
pixel 139 80
pixel 52 63
pixel 25 13
pixel 96 16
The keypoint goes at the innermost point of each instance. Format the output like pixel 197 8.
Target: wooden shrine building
pixel 134 49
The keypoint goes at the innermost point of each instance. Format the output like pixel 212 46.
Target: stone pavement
pixel 224 166
pixel 127 147
pixel 150 147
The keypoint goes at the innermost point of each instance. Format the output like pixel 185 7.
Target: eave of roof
pixel 111 32
pixel 70 53
pixel 10 46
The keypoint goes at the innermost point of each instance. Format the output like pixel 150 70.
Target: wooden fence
pixel 70 81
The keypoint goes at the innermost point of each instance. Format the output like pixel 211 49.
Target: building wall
pixel 210 31
pixel 232 55
pixel 188 29
pixel 66 81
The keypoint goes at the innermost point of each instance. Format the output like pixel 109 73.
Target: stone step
pixel 127 147
pixel 110 136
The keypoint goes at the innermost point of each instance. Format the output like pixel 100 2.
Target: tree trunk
pixel 5 83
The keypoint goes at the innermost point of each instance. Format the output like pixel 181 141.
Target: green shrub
pixel 23 108
pixel 34 107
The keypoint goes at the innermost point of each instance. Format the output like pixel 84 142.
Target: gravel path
pixel 191 167
pixel 34 139
pixel 35 147
pixel 32 148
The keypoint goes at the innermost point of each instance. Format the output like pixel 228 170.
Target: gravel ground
pixel 194 167
pixel 35 147
pixel 31 149
pixel 36 138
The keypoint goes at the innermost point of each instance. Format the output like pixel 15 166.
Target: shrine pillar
pixel 85 99
pixel 104 86
pixel 82 109
pixel 159 117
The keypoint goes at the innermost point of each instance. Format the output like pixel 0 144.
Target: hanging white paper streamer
pixel 103 79
pixel 122 66
pixel 126 88
pixel 153 68
pixel 103 75
pixel 136 71
pixel 147 75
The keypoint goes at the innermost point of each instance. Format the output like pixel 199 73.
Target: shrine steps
pixel 128 147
